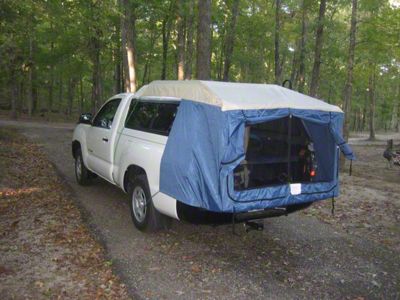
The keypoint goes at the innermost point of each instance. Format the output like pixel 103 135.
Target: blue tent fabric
pixel 206 144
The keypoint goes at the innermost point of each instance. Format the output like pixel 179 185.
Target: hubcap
pixel 78 167
pixel 139 204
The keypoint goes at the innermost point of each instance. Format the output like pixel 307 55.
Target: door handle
pixel 105 140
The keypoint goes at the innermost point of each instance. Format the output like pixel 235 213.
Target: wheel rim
pixel 78 167
pixel 139 204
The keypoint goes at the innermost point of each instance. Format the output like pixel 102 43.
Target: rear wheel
pixel 144 215
pixel 82 174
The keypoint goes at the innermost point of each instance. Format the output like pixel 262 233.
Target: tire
pixel 82 174
pixel 144 215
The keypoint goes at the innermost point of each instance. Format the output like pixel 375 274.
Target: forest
pixel 59 58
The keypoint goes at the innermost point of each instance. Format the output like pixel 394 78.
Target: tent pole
pixel 289 141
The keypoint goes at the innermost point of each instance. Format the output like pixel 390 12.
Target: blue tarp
pixel 206 144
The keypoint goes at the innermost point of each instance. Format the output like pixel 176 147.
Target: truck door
pixel 100 140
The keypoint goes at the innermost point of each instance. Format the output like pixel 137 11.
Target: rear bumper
pixel 197 215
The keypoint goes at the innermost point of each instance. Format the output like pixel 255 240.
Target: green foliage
pixel 62 31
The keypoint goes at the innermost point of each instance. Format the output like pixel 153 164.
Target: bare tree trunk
pixel 81 100
pixel 302 67
pixel 70 95
pixel 189 41
pixel 397 126
pixel 372 104
pixel 181 39
pixel 220 57
pixel 51 81
pixel 230 39
pixel 365 112
pixel 348 88
pixel 128 45
pixel 278 67
pixel 116 54
pixel 165 40
pixel 96 75
pixel 203 62
pixel 60 92
pixel 318 49
pixel 294 71
pixel 166 33
pixel 51 90
pixel 30 78
pixel 14 93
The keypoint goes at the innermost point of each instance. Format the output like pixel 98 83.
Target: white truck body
pixel 109 152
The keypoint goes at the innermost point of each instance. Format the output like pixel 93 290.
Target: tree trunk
pixel 30 78
pixel 365 112
pixel 302 67
pixel 348 88
pixel 203 67
pixel 81 100
pixel 116 54
pixel 318 49
pixel 397 126
pixel 230 39
pixel 70 94
pixel 278 68
pixel 60 92
pixel 96 75
pixel 372 104
pixel 51 81
pixel 51 90
pixel 14 92
pixel 220 56
pixel 166 33
pixel 189 41
pixel 181 39
pixel 128 45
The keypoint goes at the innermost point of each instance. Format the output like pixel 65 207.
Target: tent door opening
pixel 277 152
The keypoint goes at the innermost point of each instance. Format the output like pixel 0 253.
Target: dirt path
pixel 298 256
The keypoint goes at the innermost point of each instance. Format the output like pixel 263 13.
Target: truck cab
pixel 123 144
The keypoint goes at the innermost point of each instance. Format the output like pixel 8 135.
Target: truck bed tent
pixel 236 147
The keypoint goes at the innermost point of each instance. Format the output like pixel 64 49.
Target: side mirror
pixel 85 118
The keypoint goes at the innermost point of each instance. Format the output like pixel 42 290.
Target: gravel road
pixel 294 257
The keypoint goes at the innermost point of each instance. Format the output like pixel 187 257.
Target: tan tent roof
pixel 232 96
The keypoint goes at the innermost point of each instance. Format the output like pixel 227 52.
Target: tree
pixel 348 88
pixel 302 68
pixel 278 67
pixel 372 102
pixel 189 40
pixel 203 62
pixel 128 45
pixel 318 49
pixel 181 39
pixel 230 38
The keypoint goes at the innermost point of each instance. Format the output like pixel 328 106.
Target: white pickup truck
pixel 124 144
pixel 232 152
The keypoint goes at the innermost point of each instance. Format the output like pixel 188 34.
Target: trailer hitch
pixel 251 225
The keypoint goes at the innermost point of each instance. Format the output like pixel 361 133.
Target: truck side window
pixel 154 117
pixel 105 116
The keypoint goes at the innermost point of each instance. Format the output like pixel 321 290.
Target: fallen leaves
pixel 45 246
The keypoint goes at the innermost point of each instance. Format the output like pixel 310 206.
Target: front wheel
pixel 144 214
pixel 82 174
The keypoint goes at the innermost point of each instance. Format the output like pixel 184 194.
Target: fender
pixel 80 136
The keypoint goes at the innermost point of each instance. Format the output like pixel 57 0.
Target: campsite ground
pixel 354 254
